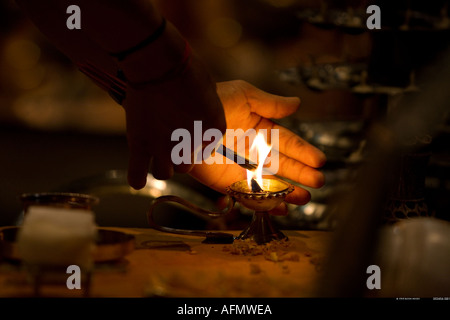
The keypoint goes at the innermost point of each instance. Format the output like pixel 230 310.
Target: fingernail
pixel 137 184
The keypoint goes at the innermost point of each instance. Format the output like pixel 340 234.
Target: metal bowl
pixel 111 245
pixel 274 194
pixel 59 199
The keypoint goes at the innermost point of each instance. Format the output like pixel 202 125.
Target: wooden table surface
pixel 171 265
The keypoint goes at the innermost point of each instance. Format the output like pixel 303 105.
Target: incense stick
pixel 232 155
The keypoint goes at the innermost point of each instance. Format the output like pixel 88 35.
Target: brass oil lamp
pixel 256 193
pixel 261 199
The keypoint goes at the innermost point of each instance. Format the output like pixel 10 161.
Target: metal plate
pixel 110 244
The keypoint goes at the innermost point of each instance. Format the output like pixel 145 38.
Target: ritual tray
pixel 110 244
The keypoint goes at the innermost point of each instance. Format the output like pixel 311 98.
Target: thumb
pixel 281 210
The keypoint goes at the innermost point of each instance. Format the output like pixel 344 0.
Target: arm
pixel 155 108
pixel 107 26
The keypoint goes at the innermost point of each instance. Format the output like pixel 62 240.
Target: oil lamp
pixel 255 193
pixel 260 195
pixel 272 194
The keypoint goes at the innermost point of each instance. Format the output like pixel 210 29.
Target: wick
pixel 255 186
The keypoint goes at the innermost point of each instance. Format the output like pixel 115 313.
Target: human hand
pixel 248 107
pixel 155 111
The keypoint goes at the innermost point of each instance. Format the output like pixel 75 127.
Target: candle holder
pixel 270 195
pixel 67 200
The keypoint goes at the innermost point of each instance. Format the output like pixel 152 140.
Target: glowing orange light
pixel 262 149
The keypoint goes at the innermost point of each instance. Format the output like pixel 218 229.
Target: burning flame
pixel 262 149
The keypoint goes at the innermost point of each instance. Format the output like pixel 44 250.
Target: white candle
pixel 53 236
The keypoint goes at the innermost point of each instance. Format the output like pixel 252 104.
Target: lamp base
pixel 261 230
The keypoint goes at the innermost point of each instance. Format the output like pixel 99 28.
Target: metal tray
pixel 110 244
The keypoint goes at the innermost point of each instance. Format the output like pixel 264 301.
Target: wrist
pixel 157 60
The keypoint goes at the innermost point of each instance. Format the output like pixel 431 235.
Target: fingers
pixel 299 196
pixel 183 168
pixel 269 105
pixel 293 146
pixel 281 210
pixel 140 160
pixel 138 165
pixel 162 168
pixel 299 172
